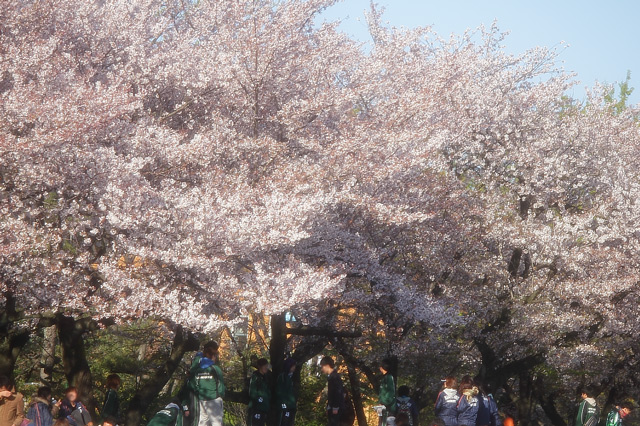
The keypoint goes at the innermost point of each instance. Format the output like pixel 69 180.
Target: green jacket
pixel 285 392
pixel 387 396
pixel 111 407
pixel 206 381
pixel 259 393
pixel 588 408
pixel 168 416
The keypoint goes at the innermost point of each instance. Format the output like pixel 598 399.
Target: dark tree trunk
pixel 74 357
pixel 356 395
pixel 525 398
pixel 277 349
pixel 12 339
pixel 183 342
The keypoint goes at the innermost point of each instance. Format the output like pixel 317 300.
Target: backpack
pixel 613 419
pixel 594 420
pixel 405 408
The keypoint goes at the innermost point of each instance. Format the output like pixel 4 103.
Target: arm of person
pixel 579 418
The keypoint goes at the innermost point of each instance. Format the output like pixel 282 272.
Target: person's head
pixel 61 422
pixel 385 366
pixel 109 421
pixel 289 366
pixel 465 383
pixel 404 391
pixel 113 381
pixel 438 422
pixel 71 394
pixel 327 364
pixel 5 383
pixel 262 365
pixel 210 350
pixel 450 382
pixel 588 392
pixel 625 409
pixel 402 419
pixel 45 393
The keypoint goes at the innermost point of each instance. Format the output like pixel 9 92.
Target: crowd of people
pixel 200 401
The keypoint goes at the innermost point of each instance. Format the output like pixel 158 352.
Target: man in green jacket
pixel 617 414
pixel 387 395
pixel 260 394
pixel 588 412
pixel 206 386
pixel 286 393
pixel 171 415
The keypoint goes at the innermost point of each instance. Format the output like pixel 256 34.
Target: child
pixel 260 394
pixel 41 413
pixel 171 415
pixel 447 402
pixel 617 414
pixel 73 410
pixel 111 406
pixel 468 404
pixel 206 385
pixel 387 395
pixel 406 406
pixel 286 393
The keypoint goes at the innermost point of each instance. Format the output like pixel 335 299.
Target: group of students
pixel 43 410
pixel 200 401
pixel 589 411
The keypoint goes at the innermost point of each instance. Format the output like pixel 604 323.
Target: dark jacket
pixel 111 406
pixel 468 408
pixel 40 412
pixel 493 410
pixel 447 406
pixel 406 405
pixel 76 415
pixel 259 393
pixel 335 391
pixel 286 392
pixel 484 414
pixel 588 408
pixel 170 415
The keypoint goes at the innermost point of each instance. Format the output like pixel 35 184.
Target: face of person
pixel 292 369
pixel 584 396
pixel 72 396
pixel 625 412
pixel 326 369
pixel 263 369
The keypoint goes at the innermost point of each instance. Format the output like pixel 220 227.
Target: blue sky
pixel 603 36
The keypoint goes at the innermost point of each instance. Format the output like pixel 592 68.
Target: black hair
pixel 262 362
pixel 5 382
pixel 386 364
pixel 403 391
pixel 590 391
pixel 44 392
pixel 327 360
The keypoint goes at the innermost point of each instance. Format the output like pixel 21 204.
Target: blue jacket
pixel 493 410
pixel 447 407
pixel 484 412
pixel 40 413
pixel 468 408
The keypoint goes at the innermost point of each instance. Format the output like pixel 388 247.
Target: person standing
pixel 286 394
pixel 447 402
pixel 73 410
pixel 335 390
pixel 387 394
pixel 41 412
pixel 468 403
pixel 617 414
pixel 207 387
pixel 11 404
pixel 111 406
pixel 260 394
pixel 588 411
pixel 406 406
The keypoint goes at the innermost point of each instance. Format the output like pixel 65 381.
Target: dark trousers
pixel 258 418
pixel 287 417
